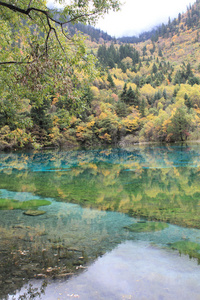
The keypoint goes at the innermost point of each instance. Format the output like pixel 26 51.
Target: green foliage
pixel 48 79
pixel 146 226
pixel 132 185
pixel 40 60
pixel 142 107
pixel 154 69
pixel 121 109
pixel 40 115
pixel 129 96
pixel 188 248
pixel 17 138
pixel 178 129
pixel 188 102
pixel 185 74
pixel 110 56
pixel 8 204
pixel 110 80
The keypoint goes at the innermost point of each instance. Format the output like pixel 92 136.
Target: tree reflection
pixel 160 183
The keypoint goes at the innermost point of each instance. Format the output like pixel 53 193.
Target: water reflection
pixel 160 183
pixel 154 183
pixel 133 270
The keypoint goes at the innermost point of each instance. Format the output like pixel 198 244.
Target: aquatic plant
pixel 146 226
pixel 7 204
pixel 188 248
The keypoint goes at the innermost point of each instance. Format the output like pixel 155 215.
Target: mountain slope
pixel 147 91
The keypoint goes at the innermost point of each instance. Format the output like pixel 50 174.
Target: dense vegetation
pixel 90 91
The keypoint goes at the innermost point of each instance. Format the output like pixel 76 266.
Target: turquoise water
pixel 91 193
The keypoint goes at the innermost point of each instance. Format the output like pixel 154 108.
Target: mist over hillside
pixel 190 19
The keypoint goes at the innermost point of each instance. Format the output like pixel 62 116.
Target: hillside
pixel 148 91
pixel 143 91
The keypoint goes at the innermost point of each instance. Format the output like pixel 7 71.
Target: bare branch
pixel 44 25
pixel 39 12
pixel 44 12
pixel 46 41
pixel 81 16
pixel 30 3
pixel 16 62
pixel 63 32
pixel 55 32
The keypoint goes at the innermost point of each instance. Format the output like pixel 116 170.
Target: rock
pixel 18 226
pixel 31 212
pixel 39 276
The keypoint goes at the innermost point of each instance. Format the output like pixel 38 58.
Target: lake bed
pixel 95 196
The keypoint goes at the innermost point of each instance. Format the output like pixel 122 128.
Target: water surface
pixel 133 270
pixel 94 195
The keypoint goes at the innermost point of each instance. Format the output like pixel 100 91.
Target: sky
pixel 137 16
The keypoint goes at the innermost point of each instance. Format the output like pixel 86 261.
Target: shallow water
pixel 90 194
pixel 133 270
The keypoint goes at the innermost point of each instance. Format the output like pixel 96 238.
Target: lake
pixel 109 224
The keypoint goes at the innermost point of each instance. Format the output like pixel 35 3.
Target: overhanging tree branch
pixel 72 14
pixel 27 12
pixel 21 10
pixel 46 13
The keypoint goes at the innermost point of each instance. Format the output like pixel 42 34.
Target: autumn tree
pixel 38 52
pixel 178 129
pixel 40 61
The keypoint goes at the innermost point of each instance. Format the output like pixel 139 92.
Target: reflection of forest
pixel 156 182
pixel 58 244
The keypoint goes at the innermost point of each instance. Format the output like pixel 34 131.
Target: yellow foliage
pixel 103 115
pixel 147 90
pixel 136 198
pixel 168 138
pixel 174 38
pixel 92 166
pixel 131 124
pixel 197 110
pixel 165 125
pixel 160 106
pixel 80 132
pixel 55 133
pixel 55 121
pixel 95 91
pixel 105 172
pixel 119 74
pixel 124 202
pixel 106 137
pixel 130 74
pixel 90 124
pixel 73 120
pixel 150 117
pixel 118 83
pixel 61 193
pixel 100 198
pixel 180 52
pixel 176 172
pixel 127 61
pixel 55 100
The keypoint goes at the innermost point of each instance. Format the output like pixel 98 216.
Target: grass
pixel 8 204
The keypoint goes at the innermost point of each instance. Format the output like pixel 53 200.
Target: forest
pixel 69 85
